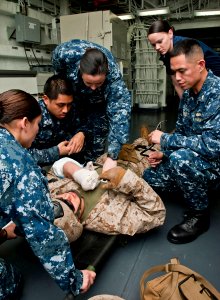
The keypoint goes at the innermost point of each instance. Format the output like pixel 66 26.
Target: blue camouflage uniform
pixel 10 280
pixel 52 131
pixel 106 111
pixel 192 152
pixel 25 199
pixel 212 58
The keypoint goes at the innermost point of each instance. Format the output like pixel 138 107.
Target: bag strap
pixel 175 266
pixel 157 269
pixel 187 271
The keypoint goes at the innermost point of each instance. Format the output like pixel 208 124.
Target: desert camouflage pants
pixel 186 171
pixel 132 207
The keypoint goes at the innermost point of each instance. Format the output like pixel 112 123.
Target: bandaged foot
pixel 57 167
pixel 87 179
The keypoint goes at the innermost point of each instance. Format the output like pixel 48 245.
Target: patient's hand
pixel 114 176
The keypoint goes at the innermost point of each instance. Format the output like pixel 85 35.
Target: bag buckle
pixel 145 149
pixel 203 288
pixel 208 292
pixel 167 268
pixel 185 279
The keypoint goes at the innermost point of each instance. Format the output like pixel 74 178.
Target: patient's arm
pixel 69 169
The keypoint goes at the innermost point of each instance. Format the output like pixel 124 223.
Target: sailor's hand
pixel 154 158
pixel 154 136
pixel 63 148
pixel 76 143
pixel 88 280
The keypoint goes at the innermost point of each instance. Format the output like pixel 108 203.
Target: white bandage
pixel 89 166
pixel 57 167
pixel 87 179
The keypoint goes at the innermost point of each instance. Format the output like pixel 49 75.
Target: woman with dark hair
pixel 100 93
pixel 162 37
pixel 25 198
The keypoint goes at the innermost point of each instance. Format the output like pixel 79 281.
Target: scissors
pixel 159 125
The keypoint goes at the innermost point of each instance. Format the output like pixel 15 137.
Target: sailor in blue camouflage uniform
pixel 24 194
pixel 103 99
pixel 60 130
pixel 190 157
pixel 162 37
pixel 10 278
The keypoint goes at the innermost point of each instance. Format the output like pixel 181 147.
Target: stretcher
pixel 92 248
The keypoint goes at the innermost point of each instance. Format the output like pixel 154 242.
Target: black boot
pixel 194 224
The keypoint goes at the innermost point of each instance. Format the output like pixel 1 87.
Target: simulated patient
pixel 115 202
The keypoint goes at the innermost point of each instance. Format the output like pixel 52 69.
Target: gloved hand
pixel 108 164
pixel 114 176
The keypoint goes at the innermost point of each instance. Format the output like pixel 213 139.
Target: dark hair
pixel 93 62
pixel 188 47
pixel 57 84
pixel 160 26
pixel 17 104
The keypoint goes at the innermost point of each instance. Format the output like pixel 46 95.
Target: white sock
pixel 87 179
pixel 57 167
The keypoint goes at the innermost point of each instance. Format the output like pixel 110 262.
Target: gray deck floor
pixel 122 270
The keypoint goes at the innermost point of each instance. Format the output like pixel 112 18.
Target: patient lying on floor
pixel 115 202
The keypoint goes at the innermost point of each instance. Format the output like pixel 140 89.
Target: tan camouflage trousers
pixel 133 159
pixel 132 207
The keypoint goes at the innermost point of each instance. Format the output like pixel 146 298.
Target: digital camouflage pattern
pixel 52 131
pixel 192 152
pixel 10 280
pixel 105 110
pixel 25 199
pixel 212 58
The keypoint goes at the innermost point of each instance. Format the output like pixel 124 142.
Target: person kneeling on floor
pixel 190 157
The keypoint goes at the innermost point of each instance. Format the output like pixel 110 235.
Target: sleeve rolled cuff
pixel 163 141
pixel 77 284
